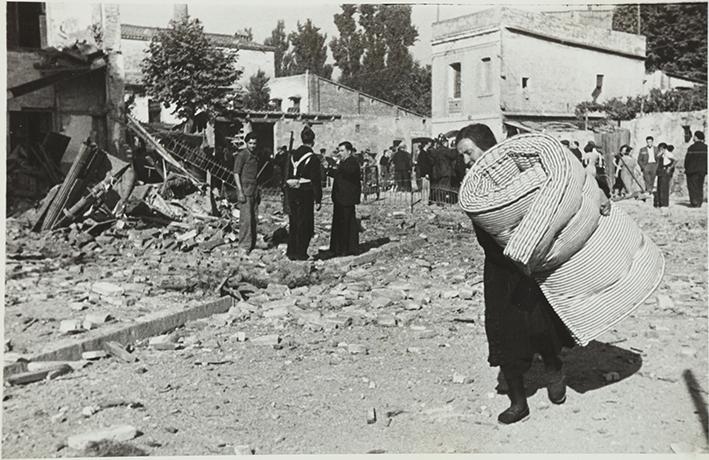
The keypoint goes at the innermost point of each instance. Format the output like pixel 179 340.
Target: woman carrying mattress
pixel 519 321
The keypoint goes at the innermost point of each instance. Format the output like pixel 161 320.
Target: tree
pixel 278 40
pixel 258 95
pixel 309 51
pixel 373 55
pixel 676 35
pixel 347 50
pixel 249 32
pixel 182 69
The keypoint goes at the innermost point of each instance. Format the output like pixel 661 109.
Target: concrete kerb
pixel 144 327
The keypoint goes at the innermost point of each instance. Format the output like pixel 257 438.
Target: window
pixel 454 72
pixel 295 100
pixel 154 110
pixel 24 29
pixel 599 82
pixel 357 128
pixel 485 76
pixel 277 104
pixel 525 82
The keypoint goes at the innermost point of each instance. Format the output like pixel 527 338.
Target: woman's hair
pixel 670 148
pixel 480 134
pixel 662 146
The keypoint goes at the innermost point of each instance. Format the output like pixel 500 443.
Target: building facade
pixel 366 121
pixel 501 65
pixel 250 57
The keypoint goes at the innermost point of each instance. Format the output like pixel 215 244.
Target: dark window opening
pixel 599 82
pixel 154 110
pixel 455 80
pixel 29 126
pixel 24 28
pixel 525 82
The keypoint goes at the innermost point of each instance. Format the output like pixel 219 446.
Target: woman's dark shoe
pixel 513 414
pixel 556 388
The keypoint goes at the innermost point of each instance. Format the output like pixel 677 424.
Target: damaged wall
pixel 374 133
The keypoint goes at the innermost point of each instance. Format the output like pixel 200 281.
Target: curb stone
pixel 146 326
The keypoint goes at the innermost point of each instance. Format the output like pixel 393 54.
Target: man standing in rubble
pixel 304 189
pixel 246 166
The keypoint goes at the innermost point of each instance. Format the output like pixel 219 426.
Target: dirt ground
pixel 403 336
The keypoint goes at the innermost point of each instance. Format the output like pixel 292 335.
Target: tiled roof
pixel 145 33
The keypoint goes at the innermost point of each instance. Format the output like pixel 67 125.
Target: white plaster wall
pixel 560 76
pixel 285 87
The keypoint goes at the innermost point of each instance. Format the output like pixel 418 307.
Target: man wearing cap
pixel 695 168
pixel 647 159
pixel 304 189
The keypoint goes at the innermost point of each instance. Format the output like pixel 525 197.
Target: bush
pixel 677 100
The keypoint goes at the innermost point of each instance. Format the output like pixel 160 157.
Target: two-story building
pixel 366 121
pixel 502 66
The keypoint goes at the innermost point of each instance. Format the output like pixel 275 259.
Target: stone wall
pixel 374 133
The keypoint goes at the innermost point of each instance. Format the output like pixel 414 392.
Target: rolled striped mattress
pixel 536 200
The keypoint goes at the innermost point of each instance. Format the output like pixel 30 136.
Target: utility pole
pixel 638 10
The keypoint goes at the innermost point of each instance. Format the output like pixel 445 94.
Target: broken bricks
pixel 116 433
pixel 35 376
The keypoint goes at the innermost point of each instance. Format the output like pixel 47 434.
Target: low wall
pixel 365 132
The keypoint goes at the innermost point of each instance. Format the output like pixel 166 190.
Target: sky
pixel 221 17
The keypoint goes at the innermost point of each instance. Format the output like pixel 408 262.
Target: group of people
pixel 303 173
pixel 443 167
pixel 651 172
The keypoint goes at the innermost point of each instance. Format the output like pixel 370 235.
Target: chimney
pixel 179 11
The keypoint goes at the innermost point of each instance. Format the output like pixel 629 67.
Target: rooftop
pixel 236 41
pixel 544 26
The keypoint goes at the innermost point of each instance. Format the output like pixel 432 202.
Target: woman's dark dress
pixel 518 319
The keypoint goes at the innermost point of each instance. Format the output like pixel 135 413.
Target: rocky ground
pixel 386 357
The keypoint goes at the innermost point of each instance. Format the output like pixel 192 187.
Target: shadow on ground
pixel 587 368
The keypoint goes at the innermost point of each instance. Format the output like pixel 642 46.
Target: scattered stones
pixel 88 411
pixel 107 289
pixel 94 355
pixel 371 416
pixel 357 349
pixel 70 326
pixel 117 433
pixel 386 321
pixel 162 342
pixel 244 450
pixel 171 429
pixel 664 302
pixel 240 336
pixel 270 340
pixel 35 376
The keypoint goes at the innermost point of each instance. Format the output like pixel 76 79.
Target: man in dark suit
pixel 647 159
pixel 695 168
pixel 346 190
pixel 402 168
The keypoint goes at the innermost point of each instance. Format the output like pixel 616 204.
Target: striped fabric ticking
pixel 538 203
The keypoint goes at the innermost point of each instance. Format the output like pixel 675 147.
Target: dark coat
pixel 401 160
pixel 444 160
pixel 695 162
pixel 309 169
pixel 347 184
pixel 424 163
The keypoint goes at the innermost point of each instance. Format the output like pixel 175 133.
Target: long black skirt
pixel 519 321
pixel 344 235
